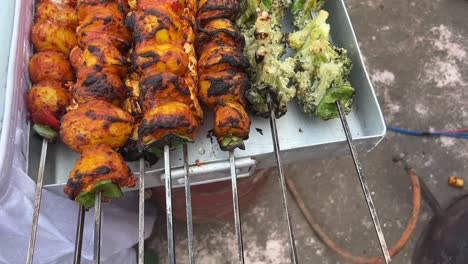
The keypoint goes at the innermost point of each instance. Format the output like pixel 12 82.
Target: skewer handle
pixel 235 203
pixel 364 185
pixel 37 202
pixel 79 235
pixel 188 206
pixel 141 214
pixel 97 228
pixel 168 186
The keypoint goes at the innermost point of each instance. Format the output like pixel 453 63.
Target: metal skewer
pixel 188 205
pixel 79 235
pixel 362 179
pixel 97 228
pixel 279 167
pixel 235 202
pixel 365 187
pixel 37 202
pixel 141 214
pixel 168 186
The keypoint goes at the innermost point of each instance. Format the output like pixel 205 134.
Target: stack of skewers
pixel 139 77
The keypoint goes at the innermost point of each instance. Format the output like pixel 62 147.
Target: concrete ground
pixel 417 56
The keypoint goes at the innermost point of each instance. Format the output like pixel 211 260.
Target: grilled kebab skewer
pixel 95 125
pixel 222 83
pixel 49 70
pixel 165 85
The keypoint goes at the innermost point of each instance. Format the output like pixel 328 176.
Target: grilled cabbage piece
pixel 59 14
pixel 232 125
pixel 96 122
pixel 222 87
pixel 99 55
pixel 101 86
pixel 49 65
pixel 166 123
pixel 212 9
pixel 321 67
pixel 50 36
pixel 219 32
pixel 99 168
pixel 302 8
pixel 47 102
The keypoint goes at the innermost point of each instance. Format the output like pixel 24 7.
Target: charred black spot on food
pixel 107 20
pixel 90 79
pixel 163 121
pixel 93 48
pixel 102 170
pixel 231 121
pixel 97 67
pixel 219 86
pixel 91 114
pixel 130 21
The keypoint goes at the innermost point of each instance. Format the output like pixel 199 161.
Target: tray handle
pixel 212 172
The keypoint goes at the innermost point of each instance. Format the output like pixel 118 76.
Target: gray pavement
pixel 417 55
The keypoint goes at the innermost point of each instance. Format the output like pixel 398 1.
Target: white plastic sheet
pixel 58 218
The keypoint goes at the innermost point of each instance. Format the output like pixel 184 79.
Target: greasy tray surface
pixel 301 137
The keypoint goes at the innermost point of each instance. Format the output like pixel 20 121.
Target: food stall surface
pixel 417 56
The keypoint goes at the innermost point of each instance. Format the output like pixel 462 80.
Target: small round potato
pixel 49 65
pixel 47 95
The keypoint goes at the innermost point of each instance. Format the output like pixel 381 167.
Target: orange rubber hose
pixel 405 236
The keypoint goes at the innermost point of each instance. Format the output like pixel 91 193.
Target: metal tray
pixel 301 137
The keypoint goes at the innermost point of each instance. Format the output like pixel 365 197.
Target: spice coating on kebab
pixel 49 65
pixel 222 66
pixel 164 59
pixel 52 36
pixel 96 122
pixel 96 125
pixel 59 14
pixel 98 166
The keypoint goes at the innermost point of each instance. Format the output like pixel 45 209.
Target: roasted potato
pixel 49 65
pixel 59 14
pixel 158 23
pixel 49 36
pixel 99 55
pixel 151 56
pixel 98 162
pixel 47 95
pixel 165 123
pixel 212 9
pixel 220 32
pixel 220 59
pixel 101 86
pixel 231 120
pixel 102 23
pixel 96 122
pixel 222 87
